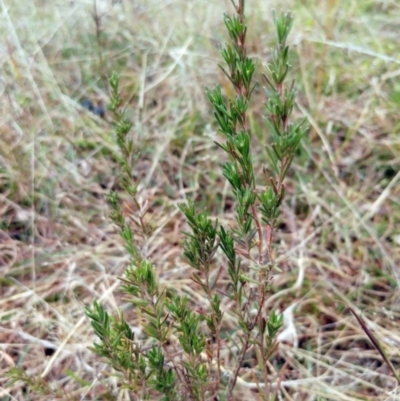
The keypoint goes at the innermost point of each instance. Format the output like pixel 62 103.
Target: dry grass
pixel 340 233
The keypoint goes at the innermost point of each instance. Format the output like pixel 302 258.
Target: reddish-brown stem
pixel 232 381
pixel 216 325
pixel 270 233
pixel 259 233
pixel 261 323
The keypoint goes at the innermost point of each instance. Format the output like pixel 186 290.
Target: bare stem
pixel 233 379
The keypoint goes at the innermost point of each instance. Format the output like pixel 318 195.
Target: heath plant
pixel 188 352
pixel 186 357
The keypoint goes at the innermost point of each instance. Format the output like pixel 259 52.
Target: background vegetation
pixel 340 229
